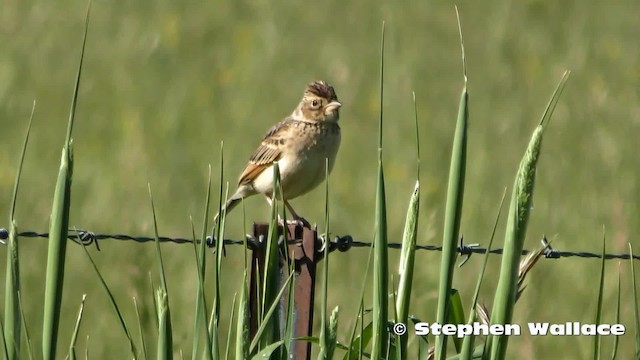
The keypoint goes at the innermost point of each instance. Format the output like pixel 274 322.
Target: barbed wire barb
pixel 340 243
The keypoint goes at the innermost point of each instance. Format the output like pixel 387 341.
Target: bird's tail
pixel 231 203
pixel 226 209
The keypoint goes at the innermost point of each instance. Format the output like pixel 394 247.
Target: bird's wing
pixel 270 150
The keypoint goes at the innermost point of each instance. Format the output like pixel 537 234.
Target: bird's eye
pixel 315 104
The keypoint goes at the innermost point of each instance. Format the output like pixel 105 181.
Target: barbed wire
pixel 340 243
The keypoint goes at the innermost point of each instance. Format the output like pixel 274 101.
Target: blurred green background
pixel 166 82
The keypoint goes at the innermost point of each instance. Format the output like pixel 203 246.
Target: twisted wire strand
pixel 340 243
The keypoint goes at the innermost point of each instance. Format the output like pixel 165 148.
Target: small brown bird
pixel 300 144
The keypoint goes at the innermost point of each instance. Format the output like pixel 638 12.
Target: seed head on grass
pixel 527 263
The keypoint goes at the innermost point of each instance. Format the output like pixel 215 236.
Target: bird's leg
pixel 297 219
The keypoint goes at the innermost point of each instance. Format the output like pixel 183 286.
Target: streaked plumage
pixel 300 144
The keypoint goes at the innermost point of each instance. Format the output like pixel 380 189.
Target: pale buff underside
pixel 302 164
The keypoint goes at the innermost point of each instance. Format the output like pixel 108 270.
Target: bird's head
pixel 319 103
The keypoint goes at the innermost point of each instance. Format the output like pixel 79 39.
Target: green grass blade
pixel 56 255
pixel 165 350
pixel 58 228
pixel 290 324
pixel 16 185
pixel 217 262
pixel 364 341
pixel 467 342
pixel 12 323
pixel 268 315
pixel 355 344
pixel 597 340
pixel 213 330
pixel 271 279
pixel 4 341
pixel 333 332
pixel 268 350
pixel 200 322
pixel 616 338
pixel 423 350
pixel 453 212
pixel 12 314
pixel 221 200
pixel 229 333
pixel 123 324
pixel 409 239
pixel 393 351
pixel 218 234
pixel 407 260
pixel 26 330
pixel 380 272
pixel 74 335
pixel 414 320
pixel 140 332
pixel 456 315
pixel 519 209
pixel 258 292
pixel 636 314
pixel 165 333
pixel 359 341
pixel 326 347
pixel 242 326
pixel 380 259
pixel 286 318
pixel 86 349
pixel 152 288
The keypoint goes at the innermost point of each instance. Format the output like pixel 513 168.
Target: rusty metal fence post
pixel 305 252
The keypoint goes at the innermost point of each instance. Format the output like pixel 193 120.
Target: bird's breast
pixel 302 166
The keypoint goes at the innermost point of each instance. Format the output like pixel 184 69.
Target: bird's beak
pixel 332 106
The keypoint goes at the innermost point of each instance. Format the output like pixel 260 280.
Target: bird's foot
pixel 300 221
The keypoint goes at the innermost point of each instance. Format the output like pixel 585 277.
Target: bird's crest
pixel 322 89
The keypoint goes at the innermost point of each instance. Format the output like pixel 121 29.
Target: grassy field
pixel 165 83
